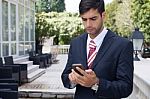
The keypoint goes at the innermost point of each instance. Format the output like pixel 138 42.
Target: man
pixel 106 58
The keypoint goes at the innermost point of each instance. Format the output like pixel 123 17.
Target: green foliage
pixel 50 5
pixel 118 17
pixel 141 16
pixel 110 20
pixel 57 5
pixel 63 25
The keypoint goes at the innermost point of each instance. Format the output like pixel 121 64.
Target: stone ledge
pixel 45 95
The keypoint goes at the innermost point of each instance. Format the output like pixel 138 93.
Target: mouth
pixel 90 30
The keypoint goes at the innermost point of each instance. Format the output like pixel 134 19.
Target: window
pixel 27 24
pixel 17 27
pixel 0 48
pixel 5 29
pixel 27 2
pixel 21 48
pixel 32 45
pixel 5 48
pixel 27 47
pixel 32 32
pixel 13 22
pixel 13 49
pixel 21 22
pixel 32 6
pixel 21 1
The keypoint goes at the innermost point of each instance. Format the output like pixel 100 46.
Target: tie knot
pixel 92 44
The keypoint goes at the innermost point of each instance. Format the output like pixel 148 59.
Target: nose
pixel 88 23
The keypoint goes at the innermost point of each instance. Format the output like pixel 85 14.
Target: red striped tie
pixel 92 53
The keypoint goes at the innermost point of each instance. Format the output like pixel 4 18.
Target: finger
pixel 70 77
pixel 81 71
pixel 89 71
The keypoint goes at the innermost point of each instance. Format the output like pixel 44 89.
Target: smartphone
pixel 77 65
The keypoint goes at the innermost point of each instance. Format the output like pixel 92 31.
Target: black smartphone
pixel 77 65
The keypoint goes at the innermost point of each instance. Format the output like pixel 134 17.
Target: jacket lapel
pixel 104 47
pixel 83 51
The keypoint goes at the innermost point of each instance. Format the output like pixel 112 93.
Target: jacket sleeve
pixel 67 70
pixel 123 85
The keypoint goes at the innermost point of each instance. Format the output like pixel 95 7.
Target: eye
pixel 84 19
pixel 93 19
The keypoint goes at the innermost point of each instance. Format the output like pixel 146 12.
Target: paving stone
pixel 49 85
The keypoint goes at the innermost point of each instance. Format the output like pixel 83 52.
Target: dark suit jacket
pixel 113 65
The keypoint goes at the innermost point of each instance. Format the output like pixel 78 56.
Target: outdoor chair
pixel 38 59
pixel 8 86
pixel 14 71
pixel 12 86
pixel 5 72
pixel 8 94
pixel 48 57
pixel 6 75
pixel 23 68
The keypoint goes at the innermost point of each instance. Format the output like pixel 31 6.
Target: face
pixel 93 22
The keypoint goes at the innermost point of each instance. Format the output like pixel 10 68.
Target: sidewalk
pixel 49 85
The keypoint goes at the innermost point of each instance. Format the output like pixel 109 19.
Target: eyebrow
pixel 90 18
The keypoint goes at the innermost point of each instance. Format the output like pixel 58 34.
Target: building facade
pixel 17 27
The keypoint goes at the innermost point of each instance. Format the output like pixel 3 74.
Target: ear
pixel 103 15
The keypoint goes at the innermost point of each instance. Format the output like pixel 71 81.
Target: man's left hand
pixel 88 79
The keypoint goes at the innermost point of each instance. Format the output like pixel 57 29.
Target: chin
pixel 91 33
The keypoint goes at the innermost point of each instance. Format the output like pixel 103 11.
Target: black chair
pixel 23 68
pixel 5 72
pixel 38 59
pixel 6 75
pixel 14 71
pixel 8 94
pixel 12 86
pixel 8 86
pixel 7 80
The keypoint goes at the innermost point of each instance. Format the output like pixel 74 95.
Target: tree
pixel 141 16
pixel 57 5
pixel 50 5
pixel 110 20
pixel 64 26
pixel 118 15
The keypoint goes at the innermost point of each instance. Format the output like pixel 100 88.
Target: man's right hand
pixel 72 78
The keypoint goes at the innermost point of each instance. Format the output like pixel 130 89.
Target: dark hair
pixel 86 5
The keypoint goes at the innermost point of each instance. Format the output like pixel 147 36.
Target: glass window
pixel 32 4
pixel 13 22
pixel 27 24
pixel 13 49
pixel 21 1
pixel 32 26
pixel 32 46
pixel 21 48
pixel 0 49
pixel 27 3
pixel 21 22
pixel 5 30
pixel 27 47
pixel 5 49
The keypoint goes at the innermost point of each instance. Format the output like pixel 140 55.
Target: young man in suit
pixel 107 59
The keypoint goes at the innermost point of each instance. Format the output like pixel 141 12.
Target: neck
pixel 92 36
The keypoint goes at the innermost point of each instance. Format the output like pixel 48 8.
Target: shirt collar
pixel 99 38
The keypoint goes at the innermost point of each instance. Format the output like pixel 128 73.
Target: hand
pixel 72 78
pixel 87 80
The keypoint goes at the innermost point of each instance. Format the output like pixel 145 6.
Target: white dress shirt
pixel 98 40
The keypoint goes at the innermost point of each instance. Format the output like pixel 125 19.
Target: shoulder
pixel 79 38
pixel 118 38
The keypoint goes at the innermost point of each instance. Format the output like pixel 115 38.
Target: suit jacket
pixel 113 65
